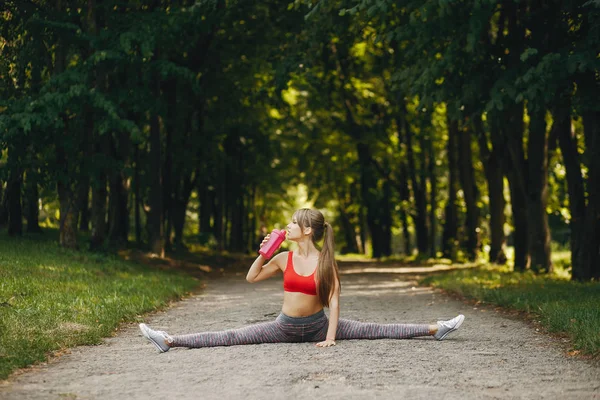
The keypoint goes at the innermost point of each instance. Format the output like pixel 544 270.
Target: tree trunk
pixel 568 147
pixel 67 199
pixel 3 204
pixel 118 212
pixel 252 238
pixel 94 180
pixel 348 230
pixel 167 171
pixel 433 198
pixel 178 216
pixel 180 203
pixel 66 194
pixel 15 212
pixel 386 219
pixel 510 123
pixel 84 209
pixel 99 192
pixel 32 213
pixel 68 217
pixel 363 230
pixel 516 172
pixel 155 215
pixel 235 191
pixel 419 190
pixel 68 204
pixel 404 193
pixel 492 164
pixel 376 220
pixel 218 218
pixel 589 266
pixel 469 186
pixel 226 218
pixel 495 179
pixel 450 233
pixel 249 221
pixel 83 195
pixel 205 210
pixel 537 193
pixel 98 212
pixel 119 191
pixel 205 190
pixel 136 196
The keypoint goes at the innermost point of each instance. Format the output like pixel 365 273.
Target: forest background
pixel 456 129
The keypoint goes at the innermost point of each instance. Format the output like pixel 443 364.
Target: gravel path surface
pixel 492 356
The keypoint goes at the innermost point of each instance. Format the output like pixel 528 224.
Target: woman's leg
pixel 348 329
pixel 266 332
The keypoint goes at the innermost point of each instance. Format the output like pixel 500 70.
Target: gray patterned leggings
pixel 287 329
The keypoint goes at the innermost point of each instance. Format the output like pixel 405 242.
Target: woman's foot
pixel 446 327
pixel 160 339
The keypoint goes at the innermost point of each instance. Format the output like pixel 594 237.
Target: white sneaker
pixel 446 327
pixel 158 338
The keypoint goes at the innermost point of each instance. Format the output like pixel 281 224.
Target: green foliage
pixel 246 90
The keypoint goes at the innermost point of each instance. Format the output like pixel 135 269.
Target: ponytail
pixel 327 270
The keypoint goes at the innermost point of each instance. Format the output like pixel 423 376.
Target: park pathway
pixel 492 356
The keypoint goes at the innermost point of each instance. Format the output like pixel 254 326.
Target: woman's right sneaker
pixel 158 338
pixel 446 327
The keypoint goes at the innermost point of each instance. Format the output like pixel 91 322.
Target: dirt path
pixel 491 356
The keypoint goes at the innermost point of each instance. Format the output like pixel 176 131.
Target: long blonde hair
pixel 327 269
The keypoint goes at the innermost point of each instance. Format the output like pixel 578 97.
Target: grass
pixel 563 307
pixel 52 298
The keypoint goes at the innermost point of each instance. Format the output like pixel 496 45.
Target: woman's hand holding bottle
pixel 271 243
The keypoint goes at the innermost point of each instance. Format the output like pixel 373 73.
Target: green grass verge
pixel 562 306
pixel 52 298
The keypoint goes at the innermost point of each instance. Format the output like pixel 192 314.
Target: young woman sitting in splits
pixel 310 282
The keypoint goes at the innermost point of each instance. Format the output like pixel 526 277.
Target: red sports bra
pixel 292 282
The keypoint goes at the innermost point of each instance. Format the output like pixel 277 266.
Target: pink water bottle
pixel 277 237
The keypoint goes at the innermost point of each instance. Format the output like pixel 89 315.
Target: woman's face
pixel 294 231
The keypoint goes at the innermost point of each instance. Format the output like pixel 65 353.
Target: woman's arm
pixel 260 271
pixel 334 316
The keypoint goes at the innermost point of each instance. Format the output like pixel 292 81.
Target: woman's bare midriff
pixel 296 304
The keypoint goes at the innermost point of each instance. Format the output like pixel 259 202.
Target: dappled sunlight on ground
pixel 368 291
pixel 372 268
pixel 223 300
pixel 379 285
pixel 364 288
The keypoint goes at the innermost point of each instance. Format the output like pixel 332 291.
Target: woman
pixel 310 282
